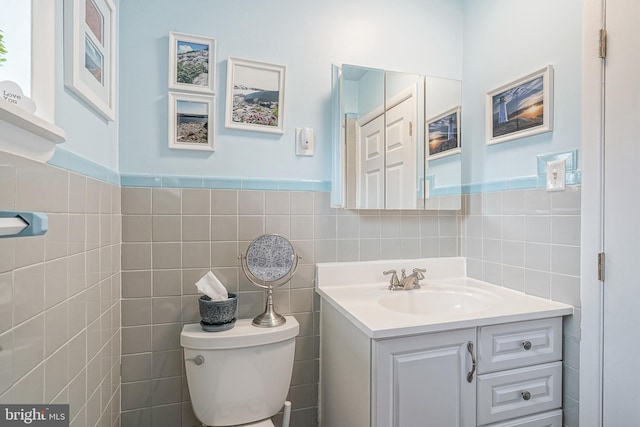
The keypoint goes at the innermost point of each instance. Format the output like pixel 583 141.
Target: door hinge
pixel 601 266
pixel 603 43
pixel 410 128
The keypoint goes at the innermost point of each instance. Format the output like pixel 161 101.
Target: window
pixel 28 28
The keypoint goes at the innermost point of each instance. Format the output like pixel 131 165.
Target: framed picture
pixel 521 108
pixel 90 53
pixel 443 132
pixel 255 96
pixel 191 121
pixel 192 63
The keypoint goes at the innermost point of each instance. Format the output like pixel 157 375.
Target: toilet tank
pixel 245 373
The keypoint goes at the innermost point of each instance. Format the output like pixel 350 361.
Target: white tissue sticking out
pixel 212 287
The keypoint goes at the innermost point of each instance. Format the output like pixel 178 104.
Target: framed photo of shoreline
pixel 255 96
pixel 191 121
pixel 521 108
pixel 192 63
pixel 90 53
pixel 443 134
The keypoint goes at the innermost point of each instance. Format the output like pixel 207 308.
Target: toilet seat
pixel 263 423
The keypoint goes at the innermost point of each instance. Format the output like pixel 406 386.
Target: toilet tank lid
pixel 243 334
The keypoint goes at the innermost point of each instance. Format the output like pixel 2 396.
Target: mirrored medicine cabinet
pixel 396 141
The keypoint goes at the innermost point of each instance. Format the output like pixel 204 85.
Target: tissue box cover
pixel 218 315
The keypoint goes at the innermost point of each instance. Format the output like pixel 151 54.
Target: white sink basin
pixel 446 300
pixel 437 302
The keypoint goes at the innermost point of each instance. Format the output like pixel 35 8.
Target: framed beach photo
pixel 255 96
pixel 443 134
pixel 191 121
pixel 90 53
pixel 192 63
pixel 520 108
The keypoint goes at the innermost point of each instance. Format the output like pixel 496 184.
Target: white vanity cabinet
pixel 422 380
pixel 496 375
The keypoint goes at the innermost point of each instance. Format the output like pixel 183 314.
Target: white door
pixel 400 168
pixel 422 381
pixel 622 216
pixel 370 184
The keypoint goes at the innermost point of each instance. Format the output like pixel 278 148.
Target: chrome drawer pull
pixel 473 361
pixel 198 360
pixel 526 345
pixel 526 395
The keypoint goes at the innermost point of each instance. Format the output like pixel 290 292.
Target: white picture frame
pixel 192 63
pixel 191 121
pixel 90 53
pixel 521 108
pixel 264 84
pixel 443 134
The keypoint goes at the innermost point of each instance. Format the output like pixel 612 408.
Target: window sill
pixel 27 135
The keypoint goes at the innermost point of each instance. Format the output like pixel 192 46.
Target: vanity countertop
pixel 446 300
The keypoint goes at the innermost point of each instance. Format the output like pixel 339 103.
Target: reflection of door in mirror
pixel 400 164
pixel 370 164
pixel 363 142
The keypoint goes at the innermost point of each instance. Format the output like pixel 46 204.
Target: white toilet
pixel 239 377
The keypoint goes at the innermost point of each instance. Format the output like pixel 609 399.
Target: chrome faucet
pixel 411 281
pixel 394 283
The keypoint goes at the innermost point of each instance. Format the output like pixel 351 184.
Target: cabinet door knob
pixel 526 395
pixel 526 345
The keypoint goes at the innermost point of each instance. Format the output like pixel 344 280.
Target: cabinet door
pixel 422 381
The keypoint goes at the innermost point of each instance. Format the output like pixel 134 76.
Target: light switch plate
pixel 305 142
pixel 556 175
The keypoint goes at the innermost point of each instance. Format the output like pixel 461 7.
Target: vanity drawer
pixel 519 392
pixel 514 345
pixel 547 419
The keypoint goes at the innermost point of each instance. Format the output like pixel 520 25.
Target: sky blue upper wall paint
pixel 307 37
pixel 503 41
pixel 88 134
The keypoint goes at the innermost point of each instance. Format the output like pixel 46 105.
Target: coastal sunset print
pixel 521 108
pixel 443 134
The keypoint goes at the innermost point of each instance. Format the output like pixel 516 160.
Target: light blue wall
pixel 307 37
pixel 503 41
pixel 88 134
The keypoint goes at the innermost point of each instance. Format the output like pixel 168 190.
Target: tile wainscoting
pixel 113 279
pixel 60 293
pixel 173 236
pixel 529 240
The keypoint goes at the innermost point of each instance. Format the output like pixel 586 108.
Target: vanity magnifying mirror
pixel 382 159
pixel 270 262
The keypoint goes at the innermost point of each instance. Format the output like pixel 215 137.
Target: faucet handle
pixel 394 282
pixel 418 272
pixel 404 275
